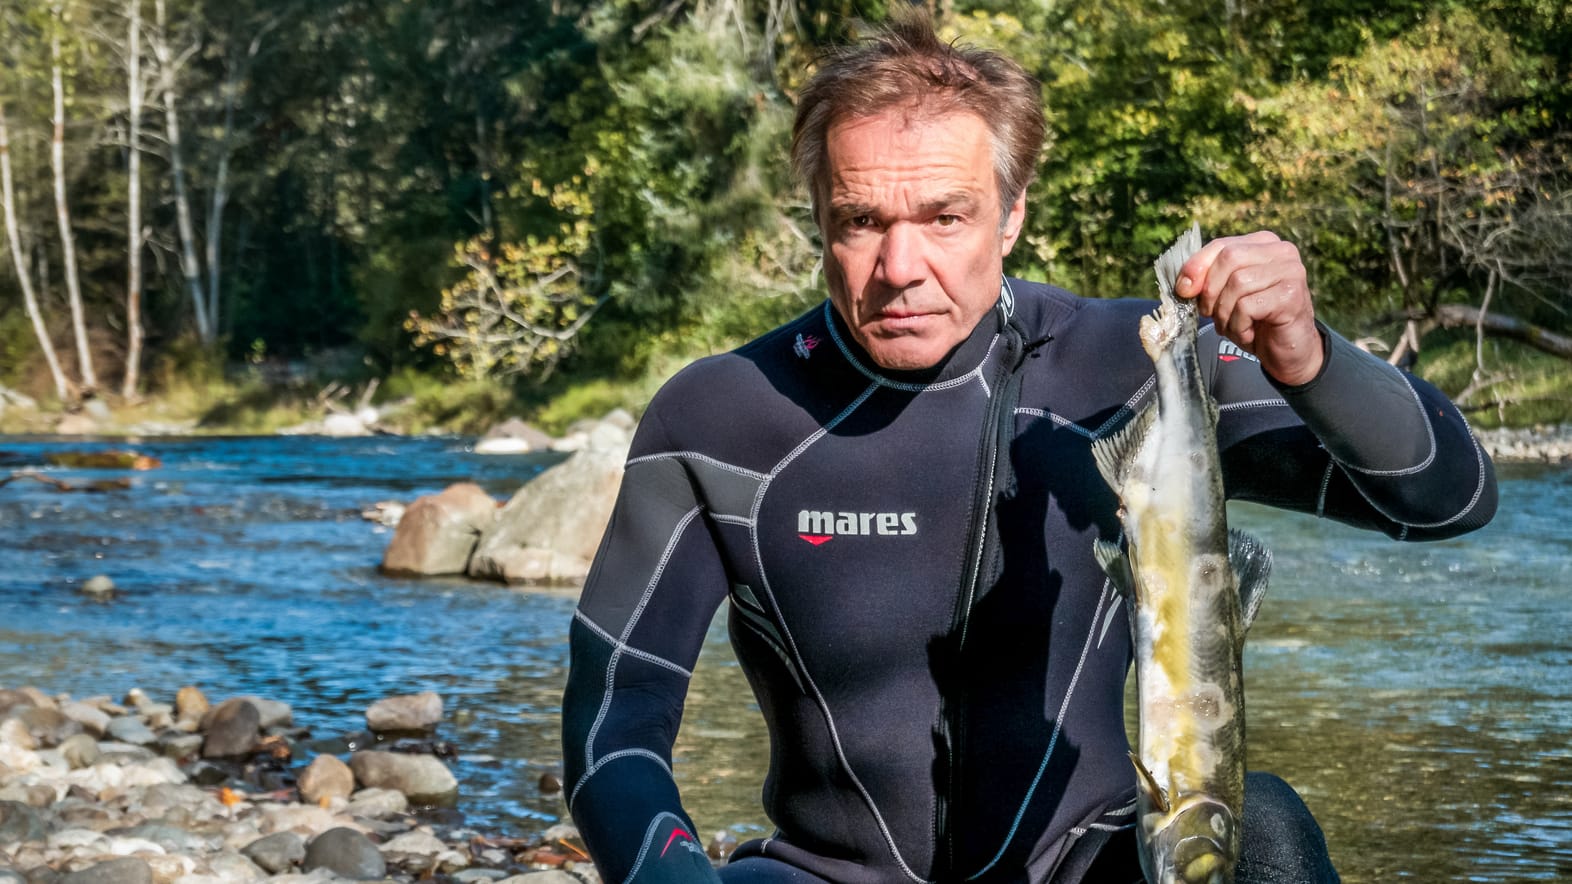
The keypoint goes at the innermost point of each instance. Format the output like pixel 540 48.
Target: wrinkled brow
pixel 958 202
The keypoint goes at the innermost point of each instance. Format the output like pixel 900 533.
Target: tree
pixel 59 17
pixel 64 391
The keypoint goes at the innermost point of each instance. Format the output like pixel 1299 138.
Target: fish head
pixel 1196 842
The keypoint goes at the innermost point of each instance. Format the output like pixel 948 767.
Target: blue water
pixel 1419 696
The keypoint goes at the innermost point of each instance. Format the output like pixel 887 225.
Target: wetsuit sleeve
pixel 1363 442
pixel 640 623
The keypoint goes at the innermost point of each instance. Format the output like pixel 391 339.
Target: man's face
pixel 914 250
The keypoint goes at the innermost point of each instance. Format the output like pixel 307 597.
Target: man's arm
pixel 641 620
pixel 1385 449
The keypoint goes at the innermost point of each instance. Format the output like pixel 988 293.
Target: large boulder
pixel 549 531
pixel 438 532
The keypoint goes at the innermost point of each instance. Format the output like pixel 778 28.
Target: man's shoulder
pixel 1050 310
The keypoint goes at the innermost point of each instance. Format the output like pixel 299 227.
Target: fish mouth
pixel 1202 860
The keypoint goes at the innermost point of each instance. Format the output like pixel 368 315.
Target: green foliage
pixel 18 348
pixel 1521 386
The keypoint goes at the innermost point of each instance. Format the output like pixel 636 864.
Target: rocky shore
pixel 1529 445
pixel 136 791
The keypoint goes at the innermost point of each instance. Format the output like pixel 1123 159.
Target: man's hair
pixel 904 65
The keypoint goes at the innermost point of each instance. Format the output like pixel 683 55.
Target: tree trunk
pixel 63 389
pixel 62 212
pixel 190 269
pixel 1544 340
pixel 128 387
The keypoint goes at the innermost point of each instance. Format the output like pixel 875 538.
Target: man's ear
pixel 1013 222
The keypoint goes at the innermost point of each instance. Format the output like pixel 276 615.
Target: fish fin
pixel 1252 564
pixel 1170 262
pixel 1117 565
pixel 1115 453
pixel 1148 785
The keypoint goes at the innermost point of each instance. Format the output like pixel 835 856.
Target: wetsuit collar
pixel 963 360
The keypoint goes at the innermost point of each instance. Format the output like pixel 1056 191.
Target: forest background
pixel 223 211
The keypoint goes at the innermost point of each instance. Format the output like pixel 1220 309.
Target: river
pixel 1419 696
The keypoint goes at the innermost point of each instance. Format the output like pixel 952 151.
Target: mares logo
pixel 1228 351
pixel 821 526
pixel 679 836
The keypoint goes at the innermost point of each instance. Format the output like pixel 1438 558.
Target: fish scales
pixel 1192 586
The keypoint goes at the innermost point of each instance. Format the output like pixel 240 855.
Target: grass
pixel 1521 387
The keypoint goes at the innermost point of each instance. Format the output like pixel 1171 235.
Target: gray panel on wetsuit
pixel 725 492
pixel 656 496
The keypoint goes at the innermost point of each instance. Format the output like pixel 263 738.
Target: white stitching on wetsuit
pixel 649 834
pixel 694 455
pixel 883 381
pixel 621 753
pixel 1113 421
pixel 628 649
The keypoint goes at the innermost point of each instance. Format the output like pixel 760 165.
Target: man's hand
pixel 1254 289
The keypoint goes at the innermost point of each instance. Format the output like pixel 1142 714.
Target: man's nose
pixel 902 263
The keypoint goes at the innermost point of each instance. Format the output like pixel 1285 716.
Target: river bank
pixel 137 791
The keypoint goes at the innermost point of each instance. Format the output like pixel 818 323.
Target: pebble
pixel 277 853
pixel 231 727
pixel 99 586
pixel 105 807
pixel 422 778
pixel 326 777
pixel 1528 444
pixel 347 853
pixel 190 704
pixel 410 712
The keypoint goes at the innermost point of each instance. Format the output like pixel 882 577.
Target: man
pixel 897 496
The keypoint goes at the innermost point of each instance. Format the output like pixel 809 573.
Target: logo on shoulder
pixel 804 345
pixel 1228 351
pixel 680 836
pixel 819 527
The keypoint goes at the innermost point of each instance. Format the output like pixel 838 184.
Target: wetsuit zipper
pixel 998 429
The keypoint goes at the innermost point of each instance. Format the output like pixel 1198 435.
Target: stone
pixel 422 778
pixel 564 510
pixel 14 733
pixel 438 532
pixel 408 712
pixel 205 774
pixel 276 853
pixel 229 866
pixel 18 823
pixel 79 751
pixel 231 728
pixel 171 838
pixel 554 876
pixel 190 704
pixel 475 876
pixel 125 870
pixel 417 843
pixel 50 727
pixel 181 745
pixel 76 425
pixel 512 436
pixel 347 853
pixel 270 713
pixel 377 803
pixel 92 719
pixel 326 777
pixel 99 586
pixel 130 729
pixel 11 698
pixel 343 425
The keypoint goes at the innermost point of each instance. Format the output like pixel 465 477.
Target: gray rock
pixel 326 777
pixel 177 745
pixel 171 838
pixel 228 866
pixel 204 774
pixel 92 719
pixel 377 803
pixel 18 823
pixel 131 729
pixel 99 586
pixel 475 876
pixel 562 514
pixel 271 713
pixel 276 853
pixel 231 728
pixel 347 853
pixel 552 877
pixel 409 712
pixel 438 532
pixel 9 877
pixel 50 727
pixel 126 870
pixel 422 778
pixel 11 698
pixel 512 436
pixel 79 751
pixel 14 733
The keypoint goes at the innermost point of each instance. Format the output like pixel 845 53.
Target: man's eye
pixel 862 221
pixel 947 220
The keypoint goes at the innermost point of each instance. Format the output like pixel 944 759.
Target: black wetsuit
pixel 914 597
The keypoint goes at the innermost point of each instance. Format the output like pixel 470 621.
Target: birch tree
pixel 63 388
pixel 169 65
pixel 84 356
pixel 135 95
